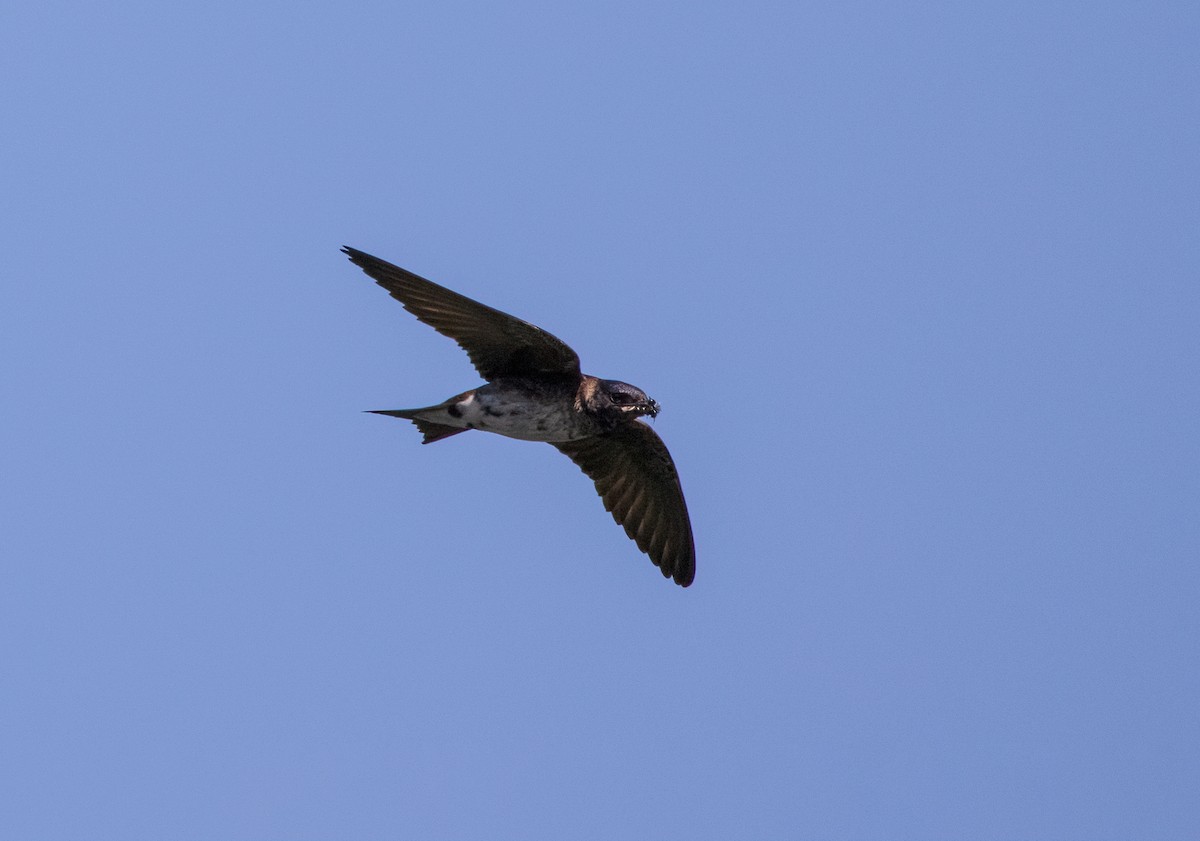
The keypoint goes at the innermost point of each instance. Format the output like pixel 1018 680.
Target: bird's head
pixel 614 399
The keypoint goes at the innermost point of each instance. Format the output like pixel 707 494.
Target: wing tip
pixel 684 575
pixel 357 257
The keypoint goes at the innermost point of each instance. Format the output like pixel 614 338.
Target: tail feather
pixel 432 431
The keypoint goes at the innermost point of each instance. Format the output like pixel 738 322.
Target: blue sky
pixel 917 285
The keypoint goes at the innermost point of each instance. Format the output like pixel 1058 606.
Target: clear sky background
pixel 918 286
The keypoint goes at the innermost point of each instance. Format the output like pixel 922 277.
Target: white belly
pixel 527 420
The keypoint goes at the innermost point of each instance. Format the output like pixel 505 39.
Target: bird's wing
pixel 637 481
pixel 499 344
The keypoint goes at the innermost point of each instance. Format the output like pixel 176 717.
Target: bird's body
pixel 516 407
pixel 536 392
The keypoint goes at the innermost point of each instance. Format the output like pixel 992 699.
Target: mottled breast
pixel 518 410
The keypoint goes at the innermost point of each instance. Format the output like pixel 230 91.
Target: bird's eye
pixel 619 397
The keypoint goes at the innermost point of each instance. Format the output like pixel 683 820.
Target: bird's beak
pixel 652 408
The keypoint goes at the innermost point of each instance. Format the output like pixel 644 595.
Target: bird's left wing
pixel 637 481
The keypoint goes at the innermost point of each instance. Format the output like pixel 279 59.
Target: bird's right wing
pixel 500 345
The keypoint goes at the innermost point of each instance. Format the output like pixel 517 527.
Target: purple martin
pixel 536 391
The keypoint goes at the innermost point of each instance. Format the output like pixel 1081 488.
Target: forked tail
pixel 432 431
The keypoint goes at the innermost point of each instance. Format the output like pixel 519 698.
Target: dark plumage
pixel 536 391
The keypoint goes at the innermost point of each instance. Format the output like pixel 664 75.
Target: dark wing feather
pixel 637 481
pixel 500 345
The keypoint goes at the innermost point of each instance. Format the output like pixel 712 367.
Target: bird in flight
pixel 535 391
